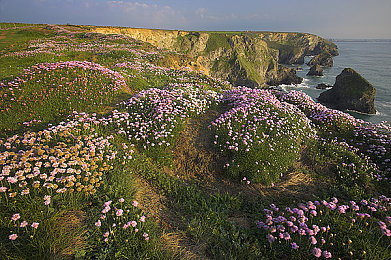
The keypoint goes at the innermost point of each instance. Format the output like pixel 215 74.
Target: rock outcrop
pixel 293 47
pixel 350 91
pixel 323 86
pixel 324 59
pixel 315 70
pixel 243 58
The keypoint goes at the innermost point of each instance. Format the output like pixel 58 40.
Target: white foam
pixel 286 87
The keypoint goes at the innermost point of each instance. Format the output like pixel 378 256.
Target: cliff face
pixel 293 47
pixel 243 58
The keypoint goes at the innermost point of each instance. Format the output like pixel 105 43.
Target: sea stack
pixel 315 70
pixel 350 91
pixel 324 59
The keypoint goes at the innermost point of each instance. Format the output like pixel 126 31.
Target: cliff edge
pixel 244 58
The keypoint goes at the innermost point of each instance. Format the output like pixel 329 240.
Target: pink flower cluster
pixel 310 219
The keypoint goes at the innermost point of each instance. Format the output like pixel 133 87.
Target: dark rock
pixel 315 70
pixel 323 86
pixel 290 57
pixel 323 59
pixel 285 76
pixel 325 46
pixel 350 91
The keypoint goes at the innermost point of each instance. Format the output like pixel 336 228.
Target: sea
pixel 370 58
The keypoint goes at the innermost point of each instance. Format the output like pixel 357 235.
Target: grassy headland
pixel 113 149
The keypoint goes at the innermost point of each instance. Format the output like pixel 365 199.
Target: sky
pixel 348 19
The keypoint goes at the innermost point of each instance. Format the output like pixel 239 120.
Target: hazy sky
pixel 330 18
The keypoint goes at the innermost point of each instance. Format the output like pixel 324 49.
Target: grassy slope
pixel 190 203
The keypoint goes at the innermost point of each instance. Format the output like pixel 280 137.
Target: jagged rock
pixel 323 86
pixel 315 70
pixel 285 76
pixel 324 59
pixel 350 91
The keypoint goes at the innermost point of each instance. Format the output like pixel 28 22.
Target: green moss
pixel 216 41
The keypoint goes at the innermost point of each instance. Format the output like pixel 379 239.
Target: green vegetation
pixel 216 41
pixel 108 152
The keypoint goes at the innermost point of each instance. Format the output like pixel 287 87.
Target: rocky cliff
pixel 244 58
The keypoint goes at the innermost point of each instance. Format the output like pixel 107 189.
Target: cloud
pixel 127 6
pixel 201 12
pixel 143 14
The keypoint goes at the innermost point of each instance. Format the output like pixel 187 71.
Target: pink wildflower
pixel 35 225
pixel 107 203
pixel 270 238
pixel 15 217
pixel 119 212
pixel 135 203
pixel 98 223
pixel 24 224
pixel 327 254
pixel 294 246
pixel 313 240
pixel 317 252
pixel 13 236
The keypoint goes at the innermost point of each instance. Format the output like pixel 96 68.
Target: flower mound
pixel 261 135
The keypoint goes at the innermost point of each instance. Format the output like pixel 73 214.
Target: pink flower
pixel 106 209
pixel 287 236
pixel 133 223
pixel 106 234
pixel 121 200
pixel 142 219
pixel 119 212
pixel 24 224
pixel 35 225
pixel 270 238
pixel 12 179
pixel 98 223
pixel 327 254
pixel 294 246
pixel 317 252
pixel 135 203
pixel 13 236
pixel 313 240
pixel 3 189
pixel 15 217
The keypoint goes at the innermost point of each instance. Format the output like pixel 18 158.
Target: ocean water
pixel 372 59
